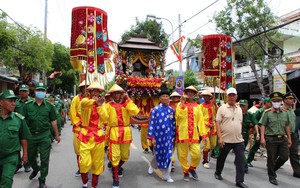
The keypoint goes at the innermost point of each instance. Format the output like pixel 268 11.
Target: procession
pixel 70 124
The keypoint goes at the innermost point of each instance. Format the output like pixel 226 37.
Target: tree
pixel 243 19
pixel 190 78
pixel 67 78
pixel 150 29
pixel 25 49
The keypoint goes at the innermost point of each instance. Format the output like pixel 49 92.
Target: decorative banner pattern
pixel 217 58
pixel 177 48
pixel 89 39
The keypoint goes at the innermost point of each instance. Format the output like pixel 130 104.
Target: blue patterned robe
pixel 162 129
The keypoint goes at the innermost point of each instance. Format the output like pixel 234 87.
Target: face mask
pixel 40 94
pixel 276 104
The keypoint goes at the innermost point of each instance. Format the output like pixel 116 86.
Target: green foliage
pixel 61 62
pixel 190 78
pixel 150 29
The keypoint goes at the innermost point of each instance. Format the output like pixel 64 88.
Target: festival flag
pixel 177 48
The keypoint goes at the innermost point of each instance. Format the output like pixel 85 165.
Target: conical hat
pixel 206 92
pixel 96 85
pixel 115 88
pixel 175 94
pixel 191 88
pixel 83 83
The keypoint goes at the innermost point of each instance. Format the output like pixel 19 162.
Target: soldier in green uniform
pixel 53 100
pixel 248 121
pixel 288 100
pixel 13 134
pixel 257 115
pixel 23 98
pixel 41 117
pixel 275 135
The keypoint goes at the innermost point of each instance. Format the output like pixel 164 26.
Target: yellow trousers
pixel 210 142
pixel 118 152
pixel 183 150
pixel 91 157
pixel 76 143
pixel 144 141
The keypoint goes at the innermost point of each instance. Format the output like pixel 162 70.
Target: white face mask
pixel 276 104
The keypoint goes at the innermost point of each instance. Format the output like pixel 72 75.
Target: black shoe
pixel 172 168
pixel 27 169
pixel 296 175
pixel 241 184
pixel 186 177
pixel 33 174
pixel 218 176
pixel 194 175
pixel 43 185
pixel 250 165
pixel 109 165
pixel 246 171
pixel 120 172
pixel 115 184
pixel 146 150
pixel 273 181
pixel 18 168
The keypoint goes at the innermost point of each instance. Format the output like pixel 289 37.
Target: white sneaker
pixel 170 180
pixel 150 170
pixel 206 165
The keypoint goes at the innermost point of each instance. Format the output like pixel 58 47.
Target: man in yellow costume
pixel 188 122
pixel 208 130
pixel 91 149
pixel 119 111
pixel 75 117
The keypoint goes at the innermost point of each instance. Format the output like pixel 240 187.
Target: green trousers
pixel 40 145
pixel 8 167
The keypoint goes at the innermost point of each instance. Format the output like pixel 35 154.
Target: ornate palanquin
pixel 140 71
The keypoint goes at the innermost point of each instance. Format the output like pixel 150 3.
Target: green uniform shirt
pixel 39 118
pixel 292 118
pixel 247 119
pixel 13 129
pixel 20 105
pixel 275 122
pixel 258 114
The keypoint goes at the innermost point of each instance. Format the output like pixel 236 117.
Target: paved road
pixel 63 167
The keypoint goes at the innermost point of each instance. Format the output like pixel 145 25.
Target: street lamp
pixel 159 18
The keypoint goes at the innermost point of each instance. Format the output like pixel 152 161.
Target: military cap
pixel 267 99
pixel 8 94
pixel 288 96
pixel 218 101
pixel 276 96
pixel 243 102
pixel 41 86
pixel 24 87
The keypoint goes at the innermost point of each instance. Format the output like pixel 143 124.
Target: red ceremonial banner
pixel 217 58
pixel 89 38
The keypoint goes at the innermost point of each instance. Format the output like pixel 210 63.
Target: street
pixel 63 167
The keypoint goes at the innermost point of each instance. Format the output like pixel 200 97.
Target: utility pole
pixel 179 28
pixel 45 37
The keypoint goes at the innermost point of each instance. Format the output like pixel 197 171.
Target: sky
pixel 122 14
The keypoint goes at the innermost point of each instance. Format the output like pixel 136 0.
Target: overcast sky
pixel 123 13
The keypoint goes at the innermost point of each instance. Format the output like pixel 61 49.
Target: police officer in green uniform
pixel 275 135
pixel 248 121
pixel 23 98
pixel 13 134
pixel 288 100
pixel 257 115
pixel 41 117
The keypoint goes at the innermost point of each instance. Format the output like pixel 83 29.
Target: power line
pixel 16 22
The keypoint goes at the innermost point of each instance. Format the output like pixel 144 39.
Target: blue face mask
pixel 40 94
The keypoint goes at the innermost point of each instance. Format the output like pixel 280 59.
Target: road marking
pixel 133 146
pixel 157 171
